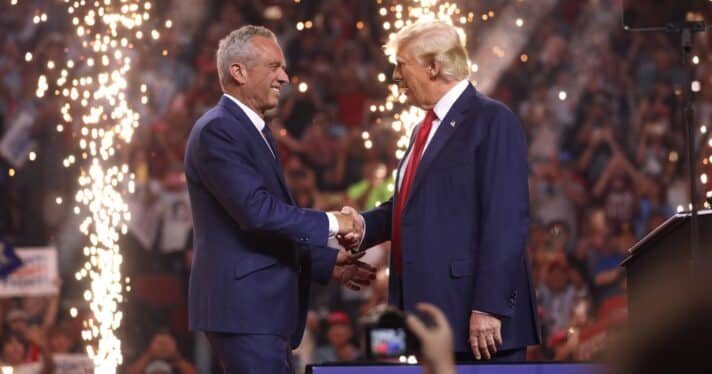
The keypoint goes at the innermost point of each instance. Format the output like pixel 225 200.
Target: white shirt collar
pixel 443 106
pixel 254 117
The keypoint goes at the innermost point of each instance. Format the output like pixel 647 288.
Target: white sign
pixel 177 221
pixel 64 363
pixel 72 363
pixel 37 276
pixel 33 368
pixel 144 220
pixel 17 142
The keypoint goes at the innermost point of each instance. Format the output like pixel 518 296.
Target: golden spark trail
pixel 96 108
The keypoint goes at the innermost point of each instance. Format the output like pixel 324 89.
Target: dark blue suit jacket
pixel 255 251
pixel 465 223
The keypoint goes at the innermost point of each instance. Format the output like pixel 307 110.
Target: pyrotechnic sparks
pixel 396 16
pixel 499 45
pixel 96 109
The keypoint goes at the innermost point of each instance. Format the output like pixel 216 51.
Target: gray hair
pixel 434 40
pixel 236 47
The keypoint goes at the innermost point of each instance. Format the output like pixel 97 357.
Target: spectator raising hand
pixel 162 352
pixel 435 340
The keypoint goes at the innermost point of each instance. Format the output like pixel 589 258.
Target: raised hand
pixel 435 340
pixel 163 346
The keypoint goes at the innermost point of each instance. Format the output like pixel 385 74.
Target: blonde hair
pixel 236 47
pixel 433 40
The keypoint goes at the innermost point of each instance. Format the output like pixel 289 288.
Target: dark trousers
pixel 510 355
pixel 251 353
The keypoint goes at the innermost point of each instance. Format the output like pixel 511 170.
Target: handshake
pixel 349 270
pixel 351 228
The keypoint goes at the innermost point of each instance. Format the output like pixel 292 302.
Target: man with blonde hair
pixel 255 251
pixel 459 216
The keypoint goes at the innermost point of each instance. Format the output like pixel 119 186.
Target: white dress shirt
pixel 260 124
pixel 441 109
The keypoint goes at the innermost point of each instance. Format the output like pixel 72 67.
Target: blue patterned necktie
pixel 270 140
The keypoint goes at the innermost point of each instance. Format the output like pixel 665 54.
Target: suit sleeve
pixel 378 224
pixel 321 263
pixel 230 174
pixel 502 177
pixel 379 220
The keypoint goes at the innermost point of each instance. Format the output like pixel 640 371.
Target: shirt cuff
pixel 363 222
pixel 333 224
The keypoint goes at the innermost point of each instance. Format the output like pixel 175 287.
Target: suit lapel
pixel 446 129
pixel 283 184
pixel 277 167
pixel 255 136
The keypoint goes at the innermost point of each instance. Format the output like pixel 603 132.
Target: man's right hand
pixel 351 227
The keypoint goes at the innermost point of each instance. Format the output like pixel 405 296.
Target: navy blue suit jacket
pixel 255 251
pixel 465 222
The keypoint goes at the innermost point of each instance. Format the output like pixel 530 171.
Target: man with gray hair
pixel 459 216
pixel 255 251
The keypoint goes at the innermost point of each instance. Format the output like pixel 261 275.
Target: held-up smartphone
pixel 388 337
pixel 387 342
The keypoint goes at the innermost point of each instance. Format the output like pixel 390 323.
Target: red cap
pixel 334 318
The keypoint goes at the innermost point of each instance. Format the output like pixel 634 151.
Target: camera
pixel 388 337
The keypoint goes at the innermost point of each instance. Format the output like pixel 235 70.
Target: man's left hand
pixel 485 335
pixel 354 275
pixel 345 257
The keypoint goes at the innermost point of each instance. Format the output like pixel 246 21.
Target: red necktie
pixel 410 169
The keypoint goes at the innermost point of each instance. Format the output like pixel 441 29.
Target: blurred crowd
pixel 606 145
